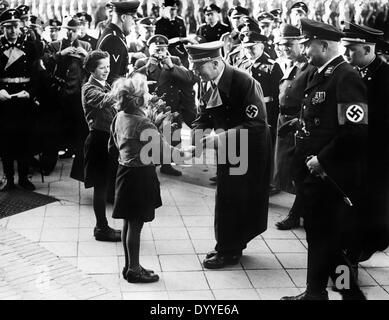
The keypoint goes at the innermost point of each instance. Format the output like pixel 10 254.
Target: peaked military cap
pixel 249 24
pixel 4 5
pixel 204 52
pixel 265 17
pixel 276 13
pixel 251 38
pixel 147 22
pixel 212 7
pixel 300 6
pixel 361 34
pixel 73 24
pixel 289 32
pixel 159 40
pixel 126 7
pixel 9 16
pixel 84 16
pixel 24 10
pixel 171 3
pixel 237 12
pixel 54 24
pixel 36 22
pixel 319 30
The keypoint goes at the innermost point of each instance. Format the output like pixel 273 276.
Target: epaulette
pixel 159 18
pixel 180 18
pixel 202 25
pixel 223 24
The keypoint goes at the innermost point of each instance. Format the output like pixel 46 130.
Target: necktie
pixel 212 97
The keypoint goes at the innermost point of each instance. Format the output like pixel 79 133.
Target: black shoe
pixel 169 170
pixel 220 261
pixel 124 272
pixel 141 276
pixel 8 185
pixel 107 234
pixel 210 254
pixel 308 296
pixel 290 222
pixel 26 184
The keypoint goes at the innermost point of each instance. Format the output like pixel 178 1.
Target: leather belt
pixel 15 80
pixel 268 99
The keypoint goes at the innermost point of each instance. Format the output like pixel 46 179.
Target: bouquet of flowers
pixel 160 114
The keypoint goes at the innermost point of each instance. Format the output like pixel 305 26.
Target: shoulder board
pixel 202 25
pixel 223 24
pixel 330 70
pixel 179 18
pixel 158 19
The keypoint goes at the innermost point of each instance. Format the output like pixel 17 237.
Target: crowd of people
pixel 301 86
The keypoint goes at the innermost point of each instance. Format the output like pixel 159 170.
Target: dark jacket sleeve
pixel 351 140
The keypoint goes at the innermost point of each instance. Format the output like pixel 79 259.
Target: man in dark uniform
pixel 231 39
pixel 17 61
pixel 113 38
pixel 64 61
pixel 173 27
pixel 54 28
pixel 103 24
pixel 213 29
pixel 292 86
pixel 298 11
pixel 330 162
pixel 266 21
pixel 361 44
pixel 267 72
pixel 234 104
pixel 85 20
pixel 179 96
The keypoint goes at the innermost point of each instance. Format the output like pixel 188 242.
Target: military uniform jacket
pixel 292 86
pixel 268 74
pixel 167 85
pixel 213 33
pixel 170 28
pixel 334 125
pixel 92 41
pixel 113 41
pixel 241 200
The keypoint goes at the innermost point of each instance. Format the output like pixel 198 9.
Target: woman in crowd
pixel 137 185
pixel 99 166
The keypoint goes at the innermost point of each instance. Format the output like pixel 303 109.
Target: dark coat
pixel 241 209
pixel 292 86
pixel 18 115
pixel 376 78
pixel 178 95
pixel 213 33
pixel 268 73
pixel 113 41
pixel 92 41
pixel 334 128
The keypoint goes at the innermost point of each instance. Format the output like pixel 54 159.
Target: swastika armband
pixel 252 111
pixel 352 113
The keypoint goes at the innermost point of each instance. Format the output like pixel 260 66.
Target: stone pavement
pixel 50 253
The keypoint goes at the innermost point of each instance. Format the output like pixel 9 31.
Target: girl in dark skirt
pixel 99 166
pixel 137 186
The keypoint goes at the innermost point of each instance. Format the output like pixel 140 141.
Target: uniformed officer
pixel 361 45
pixel 17 60
pixel 266 23
pixel 85 20
pixel 178 95
pixel 266 72
pixel 146 30
pixel 298 11
pixel 234 104
pixel 213 29
pixel 292 86
pixel 103 24
pixel 54 28
pixel 113 38
pixel 330 152
pixel 172 26
pixel 231 39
